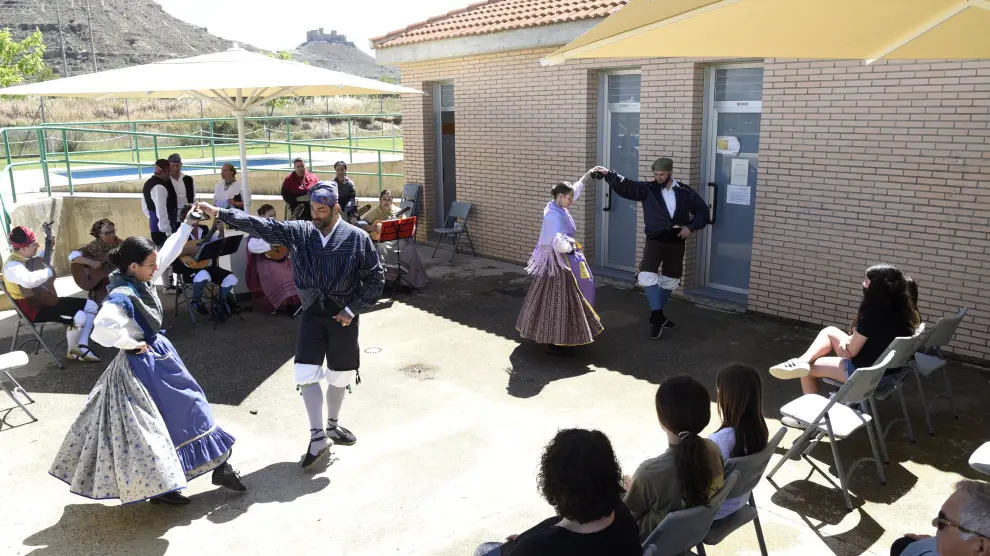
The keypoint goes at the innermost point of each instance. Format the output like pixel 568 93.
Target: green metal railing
pixel 64 157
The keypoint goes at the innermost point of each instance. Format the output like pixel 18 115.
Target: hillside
pixel 342 57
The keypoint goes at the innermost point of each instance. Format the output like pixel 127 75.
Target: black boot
pixel 171 498
pixel 315 435
pixel 657 323
pixel 226 477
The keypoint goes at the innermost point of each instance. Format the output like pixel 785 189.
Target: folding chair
pixel 832 417
pixel 410 197
pixel 683 530
pixel 36 329
pixel 980 460
pixel 459 214
pixel 750 469
pixel 905 348
pixel 182 288
pixel 14 360
pixel 930 359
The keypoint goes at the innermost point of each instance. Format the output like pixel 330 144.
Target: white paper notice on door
pixel 738 195
pixel 727 144
pixel 740 172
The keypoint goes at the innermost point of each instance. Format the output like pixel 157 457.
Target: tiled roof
pixel 493 16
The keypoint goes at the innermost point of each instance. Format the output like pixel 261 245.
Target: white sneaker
pixel 792 368
pixel 83 353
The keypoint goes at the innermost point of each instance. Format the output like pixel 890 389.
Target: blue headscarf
pixel 324 192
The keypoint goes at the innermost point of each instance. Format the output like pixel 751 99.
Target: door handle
pixel 714 205
pixel 608 201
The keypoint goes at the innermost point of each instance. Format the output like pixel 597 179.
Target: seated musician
pixel 227 191
pixel 77 314
pixel 94 255
pixel 346 191
pixel 201 277
pixel 270 280
pixel 413 273
pixel 295 191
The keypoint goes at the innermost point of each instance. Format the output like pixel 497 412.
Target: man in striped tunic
pixel 337 272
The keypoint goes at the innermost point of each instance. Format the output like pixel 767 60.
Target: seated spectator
pixel 581 479
pixel 270 281
pixel 885 313
pixel 962 526
pixel 690 471
pixel 743 431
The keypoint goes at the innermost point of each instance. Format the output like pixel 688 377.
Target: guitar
pixel 43 295
pixel 190 260
pixel 375 235
pixel 87 277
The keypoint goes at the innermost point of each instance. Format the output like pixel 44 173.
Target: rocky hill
pixel 132 32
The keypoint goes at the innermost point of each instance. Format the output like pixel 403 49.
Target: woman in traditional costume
pixel 559 308
pixel 146 428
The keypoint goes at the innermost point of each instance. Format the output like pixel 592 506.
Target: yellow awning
pixel 819 29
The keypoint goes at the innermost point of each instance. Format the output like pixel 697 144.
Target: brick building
pixel 822 168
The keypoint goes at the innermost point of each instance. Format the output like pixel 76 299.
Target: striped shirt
pixel 341 270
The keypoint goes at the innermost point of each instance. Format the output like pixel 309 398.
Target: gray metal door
pixel 619 133
pixel 733 145
pixel 446 150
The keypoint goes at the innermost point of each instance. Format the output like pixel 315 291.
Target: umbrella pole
pixel 241 140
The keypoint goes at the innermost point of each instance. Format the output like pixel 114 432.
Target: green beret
pixel 663 165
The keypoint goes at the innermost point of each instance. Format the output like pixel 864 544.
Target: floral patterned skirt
pixel 145 430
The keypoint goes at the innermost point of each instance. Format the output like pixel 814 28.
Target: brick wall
pixel 522 127
pixel 858 164
pixel 865 164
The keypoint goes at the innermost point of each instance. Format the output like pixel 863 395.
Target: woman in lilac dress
pixel 146 428
pixel 559 308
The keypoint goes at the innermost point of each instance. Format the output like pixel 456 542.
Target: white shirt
pixel 180 191
pixel 258 246
pixel 223 194
pixel 725 439
pixel 669 198
pixel 16 272
pixel 160 197
pixel 112 327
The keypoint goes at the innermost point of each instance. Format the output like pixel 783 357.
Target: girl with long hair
pixel 559 308
pixel 886 312
pixel 690 471
pixel 743 431
pixel 146 428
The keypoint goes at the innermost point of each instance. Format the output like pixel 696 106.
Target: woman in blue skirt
pixel 146 428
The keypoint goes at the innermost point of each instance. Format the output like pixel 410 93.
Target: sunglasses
pixel 941 522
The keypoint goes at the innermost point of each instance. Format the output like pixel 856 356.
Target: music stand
pixel 395 230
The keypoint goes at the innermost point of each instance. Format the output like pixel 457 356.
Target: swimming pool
pixel 131 172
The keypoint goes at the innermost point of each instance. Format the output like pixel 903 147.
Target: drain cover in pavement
pixel 420 371
pixel 373 350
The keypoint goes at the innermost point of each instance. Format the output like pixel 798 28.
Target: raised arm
pixel 268 229
pixel 627 188
pixel 371 279
pixel 585 181
pixel 172 249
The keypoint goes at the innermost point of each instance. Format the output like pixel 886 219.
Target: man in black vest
pixel 672 212
pixel 159 204
pixel 185 190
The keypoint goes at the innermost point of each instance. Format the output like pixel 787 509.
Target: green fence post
pixel 288 139
pixel 155 138
pixel 10 169
pixel 68 165
pixel 310 147
pixel 44 159
pixel 137 150
pixel 379 172
pixel 213 145
pixel 350 153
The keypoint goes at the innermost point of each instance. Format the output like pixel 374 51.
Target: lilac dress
pixel 559 308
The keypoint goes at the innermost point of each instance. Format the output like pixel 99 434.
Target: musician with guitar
pixel 90 267
pixel 201 273
pixel 295 191
pixel 269 272
pixel 413 272
pixel 30 281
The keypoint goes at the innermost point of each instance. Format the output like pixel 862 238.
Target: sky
pixel 282 25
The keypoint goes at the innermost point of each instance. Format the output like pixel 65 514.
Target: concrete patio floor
pixel 451 417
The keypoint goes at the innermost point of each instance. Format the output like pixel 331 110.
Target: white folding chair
pixel 750 469
pixel 14 390
pixel 831 417
pixel 683 530
pixel 930 359
pixel 980 460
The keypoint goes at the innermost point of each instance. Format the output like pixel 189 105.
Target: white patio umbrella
pixel 235 79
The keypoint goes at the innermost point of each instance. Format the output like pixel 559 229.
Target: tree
pixel 21 60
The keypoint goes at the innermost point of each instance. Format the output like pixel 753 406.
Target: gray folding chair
pixel 750 469
pixel 455 225
pixel 410 197
pixel 980 460
pixel 36 329
pixel 905 348
pixel 14 360
pixel 930 359
pixel 683 530
pixel 832 418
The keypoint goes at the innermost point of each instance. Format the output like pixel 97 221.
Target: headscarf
pixel 324 192
pixel 98 249
pixel 21 237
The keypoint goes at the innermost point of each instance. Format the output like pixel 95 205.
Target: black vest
pixel 170 204
pixel 187 181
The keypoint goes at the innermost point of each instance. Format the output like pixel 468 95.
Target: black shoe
pixel 668 323
pixel 310 458
pixel 657 323
pixel 226 477
pixel 340 435
pixel 171 498
pixel 200 308
pixel 560 351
